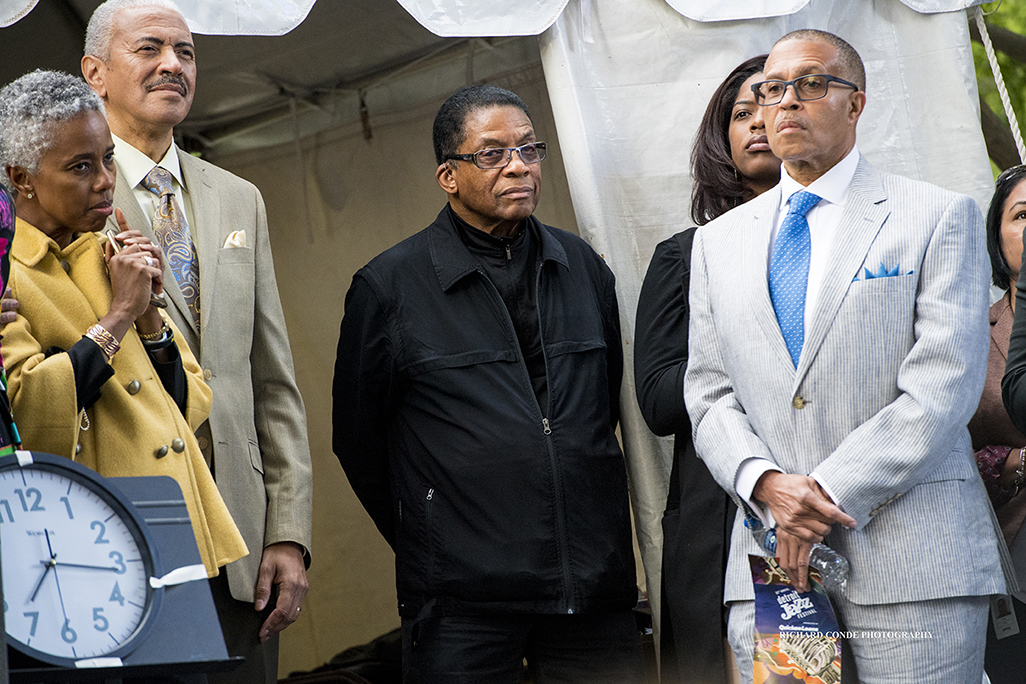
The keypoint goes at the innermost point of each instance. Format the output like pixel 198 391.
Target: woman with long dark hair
pixel 731 163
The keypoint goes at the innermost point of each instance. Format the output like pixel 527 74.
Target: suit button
pixel 798 402
pixel 207 374
pixel 177 445
pixel 78 448
pixel 161 452
pixel 134 387
pixel 203 442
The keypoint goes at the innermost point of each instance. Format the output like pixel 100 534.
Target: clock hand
pixel 48 563
pixel 49 566
pixel 80 565
pixel 53 562
pixel 49 548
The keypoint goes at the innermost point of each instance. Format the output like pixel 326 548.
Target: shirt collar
pixel 134 165
pixel 832 186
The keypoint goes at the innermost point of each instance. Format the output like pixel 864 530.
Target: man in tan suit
pixel 140 59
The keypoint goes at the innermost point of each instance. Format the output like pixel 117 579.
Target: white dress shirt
pixel 133 166
pixel 824 219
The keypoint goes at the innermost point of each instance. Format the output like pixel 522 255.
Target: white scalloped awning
pixel 469 18
pixel 224 18
pixel 479 18
pixel 245 17
pixel 732 10
pixel 13 10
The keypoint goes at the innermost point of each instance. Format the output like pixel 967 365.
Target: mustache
pixel 169 79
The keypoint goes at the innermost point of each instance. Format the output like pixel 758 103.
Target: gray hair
pixel 101 24
pixel 31 108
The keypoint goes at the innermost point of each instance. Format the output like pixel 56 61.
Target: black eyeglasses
pixel 811 87
pixel 499 157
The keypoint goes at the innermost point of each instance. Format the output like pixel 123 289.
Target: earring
pixel 28 196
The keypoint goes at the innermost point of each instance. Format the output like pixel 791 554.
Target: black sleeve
pixel 172 376
pixel 1013 384
pixel 90 368
pixel 363 401
pixel 614 350
pixel 661 336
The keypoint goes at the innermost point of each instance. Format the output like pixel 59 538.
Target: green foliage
pixel 1009 14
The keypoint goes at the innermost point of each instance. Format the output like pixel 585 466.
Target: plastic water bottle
pixel 833 567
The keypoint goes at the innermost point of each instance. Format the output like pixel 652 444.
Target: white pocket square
pixel 236 239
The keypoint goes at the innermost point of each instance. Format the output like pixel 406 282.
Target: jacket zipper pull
pixel 431 493
pixel 509 254
pixel 545 426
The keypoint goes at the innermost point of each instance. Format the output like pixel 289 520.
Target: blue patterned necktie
pixel 172 231
pixel 789 272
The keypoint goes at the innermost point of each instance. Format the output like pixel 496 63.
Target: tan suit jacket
pixel 256 436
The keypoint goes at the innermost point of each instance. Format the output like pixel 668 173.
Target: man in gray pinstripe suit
pixel 831 377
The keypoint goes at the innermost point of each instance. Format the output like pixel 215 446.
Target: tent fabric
pixel 13 10
pixel 731 10
pixel 244 17
pixel 483 18
pixel 212 17
pixel 627 103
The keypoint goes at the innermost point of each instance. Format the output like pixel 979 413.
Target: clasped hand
pixel 803 513
pixel 136 271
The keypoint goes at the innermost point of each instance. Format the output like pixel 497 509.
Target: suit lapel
pixel 756 239
pixel 864 215
pixel 206 220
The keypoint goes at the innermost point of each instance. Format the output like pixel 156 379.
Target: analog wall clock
pixel 76 561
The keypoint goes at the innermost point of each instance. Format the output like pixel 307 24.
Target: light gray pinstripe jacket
pixel 890 373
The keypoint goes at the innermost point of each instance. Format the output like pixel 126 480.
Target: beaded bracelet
pixel 108 343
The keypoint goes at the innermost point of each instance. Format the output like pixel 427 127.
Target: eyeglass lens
pixel 806 88
pixel 493 158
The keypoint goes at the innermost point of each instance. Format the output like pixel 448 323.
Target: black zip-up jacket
pixel 492 503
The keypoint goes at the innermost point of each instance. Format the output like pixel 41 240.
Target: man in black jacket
pixel 475 402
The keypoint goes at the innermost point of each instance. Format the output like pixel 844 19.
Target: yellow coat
pixel 125 431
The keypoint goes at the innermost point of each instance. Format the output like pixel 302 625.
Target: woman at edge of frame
pixel 731 163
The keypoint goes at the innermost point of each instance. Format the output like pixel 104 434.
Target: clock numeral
pixel 31 492
pixel 101 623
pixel 100 539
pixel 7 507
pixel 119 561
pixel 67 633
pixel 67 504
pixel 35 620
pixel 116 595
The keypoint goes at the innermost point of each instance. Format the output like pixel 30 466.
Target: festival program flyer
pixel 796 636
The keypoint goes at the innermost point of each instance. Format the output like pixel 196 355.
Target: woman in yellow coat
pixel 95 372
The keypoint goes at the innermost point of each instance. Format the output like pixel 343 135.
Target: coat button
pixel 798 402
pixel 203 443
pixel 162 451
pixel 177 445
pixel 78 448
pixel 66 266
pixel 207 374
pixel 134 387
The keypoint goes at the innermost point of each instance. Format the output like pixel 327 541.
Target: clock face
pixel 76 565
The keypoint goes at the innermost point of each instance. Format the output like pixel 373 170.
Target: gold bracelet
pixel 154 336
pixel 108 343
